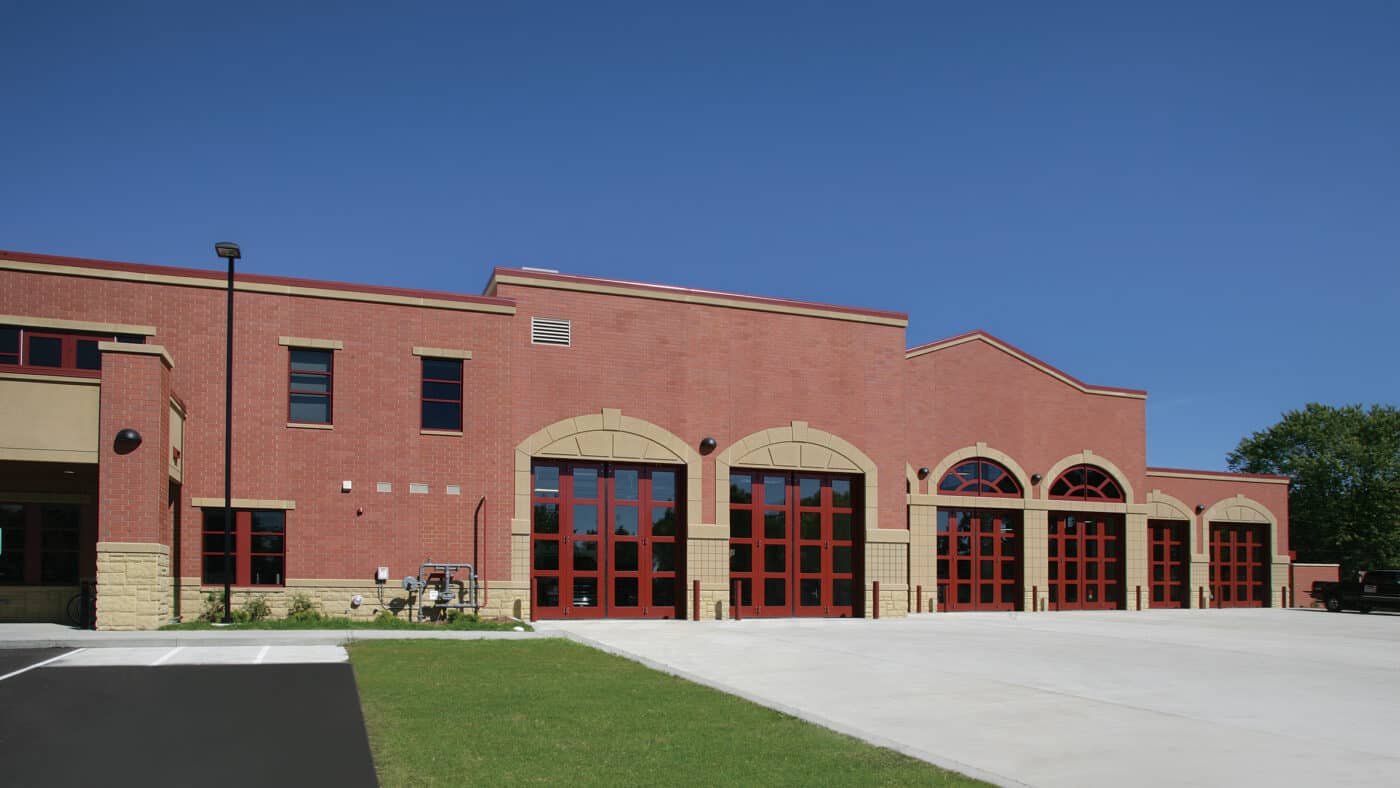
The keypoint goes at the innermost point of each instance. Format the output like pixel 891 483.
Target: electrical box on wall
pixel 346 485
pixel 381 575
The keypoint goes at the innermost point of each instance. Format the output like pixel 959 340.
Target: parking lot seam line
pixel 261 655
pixel 172 652
pixel 14 673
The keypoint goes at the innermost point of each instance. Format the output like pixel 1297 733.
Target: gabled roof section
pixel 1026 358
pixel 688 295
pixel 257 283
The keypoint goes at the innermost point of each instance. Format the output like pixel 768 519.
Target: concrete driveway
pixel 1219 697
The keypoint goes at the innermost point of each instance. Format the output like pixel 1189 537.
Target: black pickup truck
pixel 1377 590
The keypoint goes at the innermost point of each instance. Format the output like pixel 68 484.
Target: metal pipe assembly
pixel 434 587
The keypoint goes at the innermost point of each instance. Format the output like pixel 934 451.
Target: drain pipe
pixel 477 567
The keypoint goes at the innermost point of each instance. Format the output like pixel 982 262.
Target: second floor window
pixel 309 388
pixel 43 350
pixel 442 394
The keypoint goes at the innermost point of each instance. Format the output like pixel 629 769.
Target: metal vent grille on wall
pixel 549 331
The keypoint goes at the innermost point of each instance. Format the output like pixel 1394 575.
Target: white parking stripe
pixel 12 674
pixel 172 652
pixel 261 655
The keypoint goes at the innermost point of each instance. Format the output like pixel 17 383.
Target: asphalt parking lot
pixel 181 716
pixel 1210 697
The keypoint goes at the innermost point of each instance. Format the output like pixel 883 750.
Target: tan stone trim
pixel 707 532
pixel 971 502
pixel 17 496
pixel 796 447
pixel 138 350
pixel 49 455
pixel 444 433
pixel 442 352
pixel 242 503
pixel 1086 457
pixel 76 325
pixel 177 407
pixel 692 297
pixel 886 536
pixel 133 547
pixel 299 426
pixel 1010 351
pixel 314 344
pixel 1161 506
pixel 51 378
pixel 1241 509
pixel 255 287
pixel 1215 477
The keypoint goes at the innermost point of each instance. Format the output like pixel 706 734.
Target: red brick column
pixel 133 532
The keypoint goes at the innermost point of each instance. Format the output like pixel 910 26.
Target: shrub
pixel 302 608
pixel 213 610
pixel 257 608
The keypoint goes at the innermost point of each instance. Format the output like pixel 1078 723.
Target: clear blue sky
pixel 1198 199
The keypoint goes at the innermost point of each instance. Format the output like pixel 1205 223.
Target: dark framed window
pixel 442 394
pixel 40 543
pixel 309 386
pixel 44 350
pixel 979 477
pixel 1087 483
pixel 259 547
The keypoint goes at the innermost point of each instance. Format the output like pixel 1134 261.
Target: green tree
pixel 1344 501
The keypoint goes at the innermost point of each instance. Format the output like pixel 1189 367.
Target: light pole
pixel 230 252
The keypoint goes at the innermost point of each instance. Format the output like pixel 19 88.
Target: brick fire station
pixel 593 448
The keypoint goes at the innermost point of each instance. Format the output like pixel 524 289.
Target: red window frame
pixel 243 543
pixel 293 391
pixel 18 355
pixel 980 477
pixel 1086 561
pixel 459 382
pixel 1086 483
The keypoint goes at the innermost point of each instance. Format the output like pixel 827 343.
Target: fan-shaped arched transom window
pixel 1086 483
pixel 979 477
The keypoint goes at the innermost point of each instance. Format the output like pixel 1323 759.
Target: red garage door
pixel 793 544
pixel 1239 574
pixel 606 540
pixel 1166 560
pixel 979 559
pixel 1086 569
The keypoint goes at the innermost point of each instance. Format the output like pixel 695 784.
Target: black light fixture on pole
pixel 230 252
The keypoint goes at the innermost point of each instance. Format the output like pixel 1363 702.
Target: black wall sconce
pixel 1035 478
pixel 126 441
pixel 923 472
pixel 1200 507
pixel 707 445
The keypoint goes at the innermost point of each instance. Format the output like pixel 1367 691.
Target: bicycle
pixel 77 616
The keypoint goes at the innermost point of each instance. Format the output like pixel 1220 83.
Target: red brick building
pixel 591 447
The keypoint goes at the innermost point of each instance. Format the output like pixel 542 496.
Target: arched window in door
pixel 979 477
pixel 1086 483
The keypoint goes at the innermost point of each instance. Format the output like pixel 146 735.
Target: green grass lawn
pixel 553 711
pixel 463 623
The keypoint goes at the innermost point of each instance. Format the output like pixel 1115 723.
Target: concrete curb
pixel 304 637
pixel 815 719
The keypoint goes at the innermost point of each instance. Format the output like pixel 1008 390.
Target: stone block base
pixel 133 585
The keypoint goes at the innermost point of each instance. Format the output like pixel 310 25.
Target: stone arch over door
pixel 1240 509
pixel 607 436
pixel 796 447
pixel 981 451
pixel 1161 506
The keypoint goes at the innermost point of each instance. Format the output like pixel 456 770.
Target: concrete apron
pixel 1067 699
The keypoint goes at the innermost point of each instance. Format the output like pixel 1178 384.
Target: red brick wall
pixel 1208 492
pixel 376 435
pixel 975 392
pixel 1304 575
pixel 705 371
pixel 131 487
